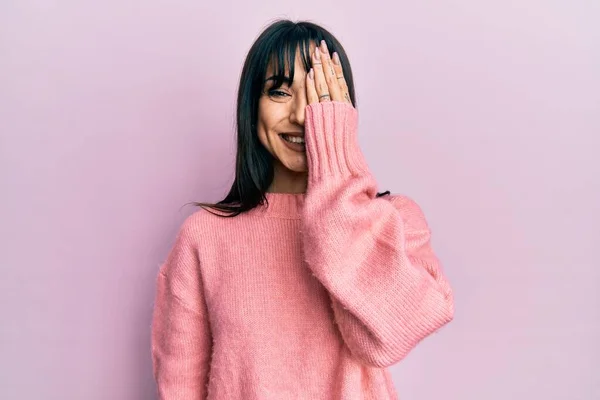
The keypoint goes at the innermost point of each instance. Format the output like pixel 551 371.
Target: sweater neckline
pixel 283 205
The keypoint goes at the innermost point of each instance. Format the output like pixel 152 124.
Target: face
pixel 280 124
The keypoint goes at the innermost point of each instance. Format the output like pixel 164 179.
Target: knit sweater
pixel 310 296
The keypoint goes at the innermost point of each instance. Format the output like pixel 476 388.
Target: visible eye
pixel 277 93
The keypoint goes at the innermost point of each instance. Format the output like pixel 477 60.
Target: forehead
pixel 298 63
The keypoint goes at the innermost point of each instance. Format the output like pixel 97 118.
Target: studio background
pixel 114 115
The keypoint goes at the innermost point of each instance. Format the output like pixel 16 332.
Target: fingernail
pixel 311 74
pixel 318 54
pixel 336 58
pixel 324 46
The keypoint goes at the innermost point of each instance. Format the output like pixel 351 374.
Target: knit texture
pixel 310 296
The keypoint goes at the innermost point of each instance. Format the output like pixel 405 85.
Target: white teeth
pixel 293 139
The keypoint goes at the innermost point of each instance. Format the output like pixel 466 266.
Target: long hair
pixel 279 43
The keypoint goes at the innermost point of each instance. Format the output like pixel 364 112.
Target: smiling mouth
pixel 293 139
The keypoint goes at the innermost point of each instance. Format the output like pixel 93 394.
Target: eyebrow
pixel 286 79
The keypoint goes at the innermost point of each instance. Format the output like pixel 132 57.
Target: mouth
pixel 293 141
pixel 293 138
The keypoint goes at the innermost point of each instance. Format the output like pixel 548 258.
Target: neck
pixel 288 181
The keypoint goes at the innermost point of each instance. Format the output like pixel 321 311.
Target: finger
pixel 337 67
pixel 311 91
pixel 329 73
pixel 320 82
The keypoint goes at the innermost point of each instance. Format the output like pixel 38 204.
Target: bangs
pixel 282 56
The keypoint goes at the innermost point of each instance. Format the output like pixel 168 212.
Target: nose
pixel 297 112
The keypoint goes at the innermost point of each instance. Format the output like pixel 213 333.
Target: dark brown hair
pixel 278 43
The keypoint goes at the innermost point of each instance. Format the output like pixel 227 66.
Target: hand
pixel 325 81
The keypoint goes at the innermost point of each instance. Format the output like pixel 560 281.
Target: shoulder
pixel 209 229
pixel 198 225
pixel 194 233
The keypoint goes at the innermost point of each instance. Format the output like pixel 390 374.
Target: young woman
pixel 304 282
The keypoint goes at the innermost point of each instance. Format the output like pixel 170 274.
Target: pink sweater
pixel 309 298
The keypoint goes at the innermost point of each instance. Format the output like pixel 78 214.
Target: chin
pixel 297 166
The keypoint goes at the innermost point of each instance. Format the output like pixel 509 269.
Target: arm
pixel 373 255
pixel 181 341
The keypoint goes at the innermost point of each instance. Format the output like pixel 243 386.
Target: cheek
pixel 261 124
pixel 267 118
pixel 262 137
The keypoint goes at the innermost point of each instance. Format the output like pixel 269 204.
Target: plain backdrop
pixel 115 114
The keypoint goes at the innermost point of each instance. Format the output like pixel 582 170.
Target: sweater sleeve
pixel 181 340
pixel 372 254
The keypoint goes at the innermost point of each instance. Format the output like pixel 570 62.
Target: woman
pixel 303 283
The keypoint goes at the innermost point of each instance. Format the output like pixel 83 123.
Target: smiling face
pixel 280 122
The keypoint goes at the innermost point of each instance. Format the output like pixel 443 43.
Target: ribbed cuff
pixel 331 134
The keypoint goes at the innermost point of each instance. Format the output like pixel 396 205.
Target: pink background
pixel 114 114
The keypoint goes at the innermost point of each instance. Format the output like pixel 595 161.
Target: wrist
pixel 331 135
